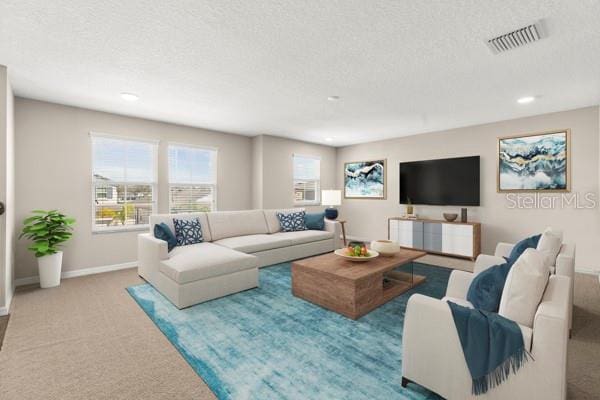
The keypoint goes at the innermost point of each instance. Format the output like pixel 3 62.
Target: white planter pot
pixel 49 268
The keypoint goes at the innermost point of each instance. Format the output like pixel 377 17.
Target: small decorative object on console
pixel 463 215
pixel 450 216
pixel 409 207
pixel 386 248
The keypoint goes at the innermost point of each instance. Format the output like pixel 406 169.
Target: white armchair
pixel 564 266
pixel 433 356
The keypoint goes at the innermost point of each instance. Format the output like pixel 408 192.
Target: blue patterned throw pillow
pixel 163 232
pixel 188 231
pixel 292 222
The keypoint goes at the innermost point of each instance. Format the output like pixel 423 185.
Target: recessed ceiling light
pixel 333 98
pixel 526 99
pixel 329 139
pixel 129 96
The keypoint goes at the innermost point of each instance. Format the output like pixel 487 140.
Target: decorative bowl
pixel 450 216
pixel 371 254
pixel 386 248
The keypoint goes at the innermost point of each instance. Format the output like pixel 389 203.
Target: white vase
pixel 49 268
pixel 386 248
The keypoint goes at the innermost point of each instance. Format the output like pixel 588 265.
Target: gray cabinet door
pixel 418 234
pixel 432 236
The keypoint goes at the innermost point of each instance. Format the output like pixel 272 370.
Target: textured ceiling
pixel 268 66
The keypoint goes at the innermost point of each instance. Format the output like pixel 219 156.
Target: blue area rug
pixel 267 344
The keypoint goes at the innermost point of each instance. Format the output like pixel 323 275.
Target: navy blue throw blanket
pixel 495 350
pixel 492 345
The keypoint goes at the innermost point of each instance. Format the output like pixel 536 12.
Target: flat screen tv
pixel 444 182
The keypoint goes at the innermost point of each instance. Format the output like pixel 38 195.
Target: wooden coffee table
pixel 354 288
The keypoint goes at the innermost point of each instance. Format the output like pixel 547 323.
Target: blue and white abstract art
pixel 534 162
pixel 365 179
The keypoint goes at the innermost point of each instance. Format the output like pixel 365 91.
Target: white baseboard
pixel 587 271
pixel 4 310
pixel 78 272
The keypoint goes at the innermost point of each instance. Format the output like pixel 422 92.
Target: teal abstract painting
pixel 536 162
pixel 365 180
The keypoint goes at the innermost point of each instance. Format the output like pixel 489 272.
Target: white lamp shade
pixel 331 197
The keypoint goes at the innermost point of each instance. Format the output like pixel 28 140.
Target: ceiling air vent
pixel 517 38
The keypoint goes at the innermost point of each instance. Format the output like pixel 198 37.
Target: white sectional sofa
pixel 236 244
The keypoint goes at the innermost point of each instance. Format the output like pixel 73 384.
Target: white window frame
pixel 317 201
pixel 154 184
pixel 215 186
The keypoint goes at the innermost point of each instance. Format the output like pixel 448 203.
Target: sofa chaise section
pixel 203 261
pixel 196 273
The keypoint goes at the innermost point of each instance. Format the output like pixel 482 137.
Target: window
pixel 307 180
pixel 192 179
pixel 124 182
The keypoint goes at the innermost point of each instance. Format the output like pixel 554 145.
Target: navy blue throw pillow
pixel 486 288
pixel 292 222
pixel 163 232
pixel 519 248
pixel 188 231
pixel 315 221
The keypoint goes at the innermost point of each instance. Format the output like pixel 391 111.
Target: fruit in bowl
pixel 358 251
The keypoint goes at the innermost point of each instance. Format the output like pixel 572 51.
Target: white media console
pixel 459 239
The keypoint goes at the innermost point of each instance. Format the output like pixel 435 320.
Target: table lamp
pixel 331 198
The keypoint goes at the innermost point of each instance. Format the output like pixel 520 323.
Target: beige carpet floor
pixel 88 339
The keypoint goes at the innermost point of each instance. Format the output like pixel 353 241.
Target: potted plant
pixel 48 230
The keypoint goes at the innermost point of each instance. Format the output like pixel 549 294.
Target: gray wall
pixel 7 190
pixel 53 168
pixel 257 172
pixel 368 218
pixel 275 184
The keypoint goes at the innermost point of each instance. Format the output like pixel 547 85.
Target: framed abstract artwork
pixel 365 180
pixel 535 162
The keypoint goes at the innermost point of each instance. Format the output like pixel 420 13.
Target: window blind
pixel 192 179
pixel 307 179
pixel 123 181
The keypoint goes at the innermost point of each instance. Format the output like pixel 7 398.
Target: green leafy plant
pixel 48 230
